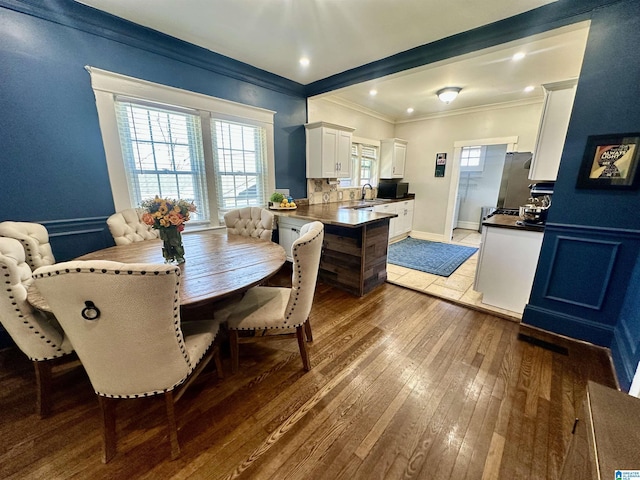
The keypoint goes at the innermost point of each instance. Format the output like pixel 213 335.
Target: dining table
pixel 216 265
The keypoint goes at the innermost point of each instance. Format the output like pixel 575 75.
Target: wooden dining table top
pixel 216 265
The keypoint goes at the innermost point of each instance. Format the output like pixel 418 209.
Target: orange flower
pixel 175 218
pixel 148 218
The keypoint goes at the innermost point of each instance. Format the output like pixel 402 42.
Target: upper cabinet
pixel 553 130
pixel 393 153
pixel 328 150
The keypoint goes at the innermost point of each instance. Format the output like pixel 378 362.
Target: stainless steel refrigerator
pixel 515 183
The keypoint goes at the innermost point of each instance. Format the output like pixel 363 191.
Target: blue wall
pixel 586 286
pixel 53 162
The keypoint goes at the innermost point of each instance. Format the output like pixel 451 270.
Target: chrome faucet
pixel 364 187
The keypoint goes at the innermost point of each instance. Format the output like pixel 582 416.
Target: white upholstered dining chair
pixel 124 321
pixel 34 239
pixel 265 308
pixel 250 221
pixel 37 335
pixel 126 226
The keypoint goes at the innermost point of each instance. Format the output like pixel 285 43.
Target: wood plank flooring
pixel 403 386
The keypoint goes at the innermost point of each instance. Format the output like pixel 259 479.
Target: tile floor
pixel 458 287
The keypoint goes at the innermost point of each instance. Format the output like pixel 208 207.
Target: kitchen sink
pixel 358 204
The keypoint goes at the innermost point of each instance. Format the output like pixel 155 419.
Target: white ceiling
pixel 487 77
pixel 338 35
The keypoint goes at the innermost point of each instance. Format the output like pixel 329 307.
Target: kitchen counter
pixel 356 240
pixel 507 262
pixel 350 214
pixel 509 221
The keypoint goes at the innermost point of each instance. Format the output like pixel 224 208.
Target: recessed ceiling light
pixel 304 61
pixel 519 56
pixel 373 92
pixel 409 110
pixel 530 88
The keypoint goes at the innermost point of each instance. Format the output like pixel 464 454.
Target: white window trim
pixel 107 85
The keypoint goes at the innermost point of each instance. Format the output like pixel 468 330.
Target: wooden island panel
pixel 355 259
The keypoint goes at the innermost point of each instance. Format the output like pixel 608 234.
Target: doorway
pixel 453 206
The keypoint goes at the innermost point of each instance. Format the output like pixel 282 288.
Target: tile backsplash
pixel 319 190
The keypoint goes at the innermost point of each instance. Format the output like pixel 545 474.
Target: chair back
pixel 38 336
pixel 35 240
pixel 305 252
pixel 127 227
pixel 124 321
pixel 250 221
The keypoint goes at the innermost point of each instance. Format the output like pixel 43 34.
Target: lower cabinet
pixel 506 266
pixel 354 259
pixel 402 224
pixel 404 210
pixel 289 232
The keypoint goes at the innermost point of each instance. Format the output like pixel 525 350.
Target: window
pixel 163 155
pixel 364 160
pixel 165 141
pixel 239 165
pixel 472 159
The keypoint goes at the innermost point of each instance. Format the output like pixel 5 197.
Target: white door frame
pixel 512 146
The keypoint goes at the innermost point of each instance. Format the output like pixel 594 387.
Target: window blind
pixel 240 164
pixel 163 154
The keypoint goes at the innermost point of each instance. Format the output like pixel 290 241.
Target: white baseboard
pixel 432 237
pixel 468 225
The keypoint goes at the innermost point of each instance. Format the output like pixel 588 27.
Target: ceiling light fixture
pixel 530 88
pixel 304 61
pixel 409 110
pixel 518 56
pixel 448 94
pixel 373 92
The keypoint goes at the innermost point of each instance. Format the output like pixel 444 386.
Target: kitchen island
pixel 507 262
pixel 354 251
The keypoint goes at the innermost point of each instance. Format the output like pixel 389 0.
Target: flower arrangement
pixel 164 213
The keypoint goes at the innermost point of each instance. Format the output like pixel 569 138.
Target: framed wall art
pixel 610 162
pixel 441 163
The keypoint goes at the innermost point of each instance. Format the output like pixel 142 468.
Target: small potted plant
pixel 275 199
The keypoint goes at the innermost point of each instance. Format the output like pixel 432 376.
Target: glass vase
pixel 172 249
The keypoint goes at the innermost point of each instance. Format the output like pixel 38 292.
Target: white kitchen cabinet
pixel 289 232
pixel 393 154
pixel 389 208
pixel 552 131
pixel 328 150
pixel 400 225
pixel 404 210
pixel 506 266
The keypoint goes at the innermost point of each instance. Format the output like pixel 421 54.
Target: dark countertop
pixel 509 221
pixel 350 214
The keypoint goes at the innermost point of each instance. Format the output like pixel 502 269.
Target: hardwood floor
pixel 403 385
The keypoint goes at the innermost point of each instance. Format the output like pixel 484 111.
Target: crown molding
pixel 358 108
pixel 482 108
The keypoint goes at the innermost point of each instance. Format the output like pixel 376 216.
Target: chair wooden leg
pixel 303 348
pixel 173 427
pixel 108 413
pixel 307 329
pixel 216 358
pixel 235 353
pixel 43 388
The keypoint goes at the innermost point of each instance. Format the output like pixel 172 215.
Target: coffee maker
pixel 536 211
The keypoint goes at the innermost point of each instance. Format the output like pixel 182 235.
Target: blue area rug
pixel 432 257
